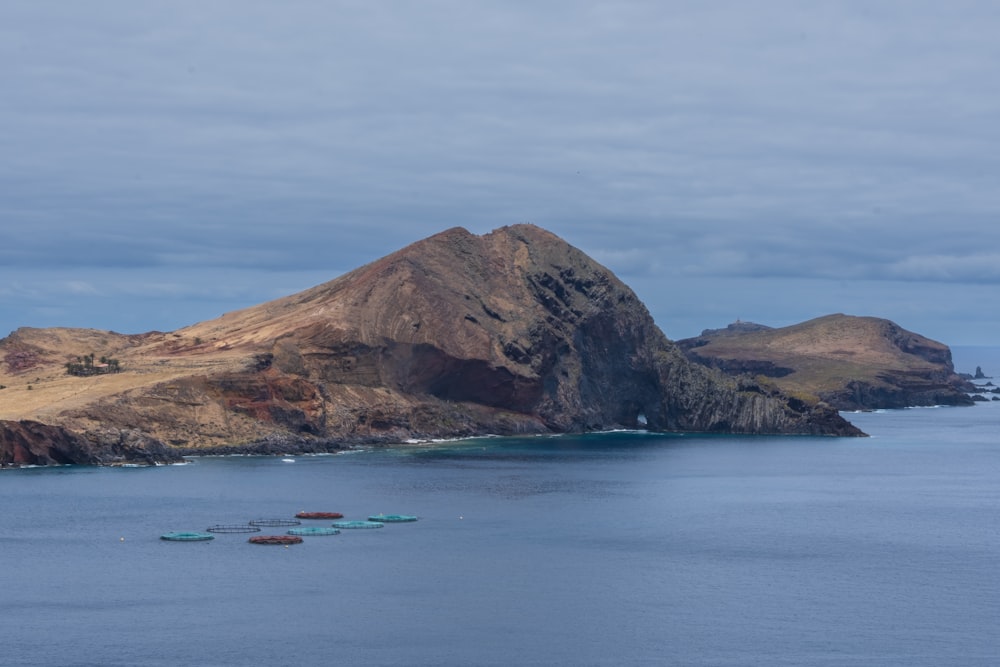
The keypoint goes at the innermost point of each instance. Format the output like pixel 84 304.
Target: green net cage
pixel 275 523
pixel 392 518
pixel 181 536
pixel 313 530
pixel 352 525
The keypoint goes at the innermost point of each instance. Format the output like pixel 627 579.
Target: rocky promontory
pixel 457 335
pixel 849 362
pixel 31 443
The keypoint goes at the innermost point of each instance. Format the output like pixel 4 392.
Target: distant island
pixel 457 335
pixel 851 363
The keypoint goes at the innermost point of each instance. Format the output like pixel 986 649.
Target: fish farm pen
pixel 233 528
pixel 319 515
pixel 351 525
pixel 392 518
pixel 313 530
pixel 295 534
pixel 275 539
pixel 275 523
pixel 187 537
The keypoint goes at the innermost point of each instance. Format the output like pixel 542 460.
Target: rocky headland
pixel 512 332
pixel 849 362
pixel 31 443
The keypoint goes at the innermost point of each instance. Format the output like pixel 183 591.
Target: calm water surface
pixel 601 550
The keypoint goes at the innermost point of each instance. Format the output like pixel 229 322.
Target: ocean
pixel 967 357
pixel 608 549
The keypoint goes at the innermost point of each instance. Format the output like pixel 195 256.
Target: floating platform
pixel 319 515
pixel 350 525
pixel 187 537
pixel 275 539
pixel 233 528
pixel 275 523
pixel 307 531
pixel 392 518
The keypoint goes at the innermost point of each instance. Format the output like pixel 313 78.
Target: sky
pixel 775 161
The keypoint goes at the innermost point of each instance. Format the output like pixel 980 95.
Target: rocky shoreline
pixel 31 443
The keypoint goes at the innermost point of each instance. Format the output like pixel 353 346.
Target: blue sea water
pixel 967 358
pixel 613 549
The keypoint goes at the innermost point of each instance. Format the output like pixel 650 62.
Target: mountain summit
pixel 511 332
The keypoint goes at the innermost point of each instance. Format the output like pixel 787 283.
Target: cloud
pixel 80 287
pixel 976 268
pixel 674 142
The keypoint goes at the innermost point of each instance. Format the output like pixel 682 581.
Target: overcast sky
pixel 773 161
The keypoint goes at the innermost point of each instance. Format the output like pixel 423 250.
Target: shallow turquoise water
pixel 598 550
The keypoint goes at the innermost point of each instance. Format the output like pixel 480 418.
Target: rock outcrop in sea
pixel 512 332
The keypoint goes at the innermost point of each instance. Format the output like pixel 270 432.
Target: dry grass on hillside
pixel 44 389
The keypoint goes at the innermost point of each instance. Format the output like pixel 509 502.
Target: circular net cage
pixel 319 515
pixel 233 528
pixel 313 530
pixel 275 523
pixel 352 525
pixel 275 539
pixel 392 518
pixel 186 537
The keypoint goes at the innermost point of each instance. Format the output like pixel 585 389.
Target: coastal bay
pixel 710 550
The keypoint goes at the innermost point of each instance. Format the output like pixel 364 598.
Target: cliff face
pixel 849 362
pixel 511 332
pixel 30 443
